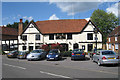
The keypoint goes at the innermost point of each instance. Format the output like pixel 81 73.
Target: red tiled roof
pixel 61 26
pixel 8 31
pixel 115 32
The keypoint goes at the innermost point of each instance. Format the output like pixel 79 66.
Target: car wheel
pixel 99 64
pixel 28 59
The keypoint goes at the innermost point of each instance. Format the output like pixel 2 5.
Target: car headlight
pixel 56 55
pixel 47 55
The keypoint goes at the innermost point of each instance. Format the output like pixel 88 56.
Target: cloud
pixel 71 8
pixel 28 18
pixel 16 17
pixel 114 9
pixel 53 17
pixel 5 18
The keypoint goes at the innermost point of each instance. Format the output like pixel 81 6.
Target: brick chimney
pixel 20 27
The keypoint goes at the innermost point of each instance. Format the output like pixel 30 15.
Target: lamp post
pixel 96 31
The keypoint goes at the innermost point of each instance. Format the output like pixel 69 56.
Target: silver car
pixel 105 57
pixel 36 55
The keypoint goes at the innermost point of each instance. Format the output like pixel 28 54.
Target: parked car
pixel 36 55
pixel 105 57
pixel 77 54
pixel 13 54
pixel 93 52
pixel 22 55
pixel 54 54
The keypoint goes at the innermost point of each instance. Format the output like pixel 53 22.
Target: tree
pixel 25 24
pixel 105 22
pixel 15 24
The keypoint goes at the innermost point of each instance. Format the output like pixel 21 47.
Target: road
pixel 15 68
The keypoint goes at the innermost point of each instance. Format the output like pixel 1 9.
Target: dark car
pixel 77 54
pixel 54 54
pixel 13 54
pixel 93 52
pixel 22 55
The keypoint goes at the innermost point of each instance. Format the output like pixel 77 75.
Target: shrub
pixel 67 54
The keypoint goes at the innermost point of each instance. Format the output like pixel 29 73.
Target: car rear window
pixel 78 50
pixel 108 53
pixel 20 53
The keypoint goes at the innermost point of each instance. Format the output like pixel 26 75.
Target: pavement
pixel 65 68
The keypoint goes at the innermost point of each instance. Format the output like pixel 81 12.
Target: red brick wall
pixel 112 41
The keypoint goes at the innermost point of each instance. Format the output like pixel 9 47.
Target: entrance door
pixel 64 47
pixel 75 46
pixel 30 48
pixel 90 47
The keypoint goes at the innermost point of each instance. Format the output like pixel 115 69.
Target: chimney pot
pixel 20 20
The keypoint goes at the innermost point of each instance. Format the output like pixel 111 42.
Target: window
pixel 24 37
pixel 115 38
pixel 37 47
pixel 109 39
pixel 69 36
pixel 109 46
pixel 90 36
pixel 51 37
pixel 24 47
pixel 83 47
pixel 60 36
pixel 116 46
pixel 37 37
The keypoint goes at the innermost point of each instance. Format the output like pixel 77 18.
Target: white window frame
pixel 110 46
pixel 116 46
pixel 109 39
pixel 115 38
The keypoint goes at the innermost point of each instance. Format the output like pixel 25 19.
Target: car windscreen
pixel 108 53
pixel 54 51
pixel 37 51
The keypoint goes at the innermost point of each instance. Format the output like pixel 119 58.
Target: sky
pixel 50 10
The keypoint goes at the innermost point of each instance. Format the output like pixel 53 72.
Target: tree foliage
pixel 15 24
pixel 106 22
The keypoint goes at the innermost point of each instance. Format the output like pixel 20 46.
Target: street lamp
pixel 96 31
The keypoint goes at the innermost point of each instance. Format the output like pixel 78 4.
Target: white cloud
pixel 114 9
pixel 53 17
pixel 5 18
pixel 75 7
pixel 28 18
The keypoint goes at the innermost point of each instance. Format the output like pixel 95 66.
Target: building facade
pixel 113 40
pixel 9 39
pixel 71 34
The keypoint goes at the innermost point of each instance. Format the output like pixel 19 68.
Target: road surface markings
pixel 14 66
pixel 54 74
pixel 87 69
